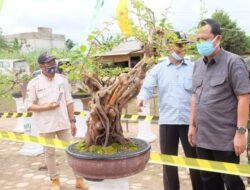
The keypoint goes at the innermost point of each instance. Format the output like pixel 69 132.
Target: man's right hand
pixel 52 105
pixel 43 107
pixel 139 105
pixel 191 135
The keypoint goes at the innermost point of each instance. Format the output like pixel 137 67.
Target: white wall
pixel 58 44
pixel 36 44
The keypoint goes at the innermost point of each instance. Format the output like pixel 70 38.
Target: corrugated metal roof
pixel 124 49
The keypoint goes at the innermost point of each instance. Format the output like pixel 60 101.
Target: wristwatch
pixel 241 130
pixel 73 120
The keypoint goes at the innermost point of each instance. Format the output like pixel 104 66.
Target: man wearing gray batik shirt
pixel 220 102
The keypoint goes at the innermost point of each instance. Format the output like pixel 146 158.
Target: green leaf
pixel 83 48
pixel 91 37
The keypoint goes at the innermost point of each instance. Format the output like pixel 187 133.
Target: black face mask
pixel 51 69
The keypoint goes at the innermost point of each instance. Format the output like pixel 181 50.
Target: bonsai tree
pixel 111 93
pixel 13 83
pixel 7 83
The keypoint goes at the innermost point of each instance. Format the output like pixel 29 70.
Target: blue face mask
pixel 205 48
pixel 176 56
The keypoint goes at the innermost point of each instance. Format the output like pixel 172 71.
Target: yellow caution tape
pixel 55 143
pixel 126 117
pixel 15 114
pixel 5 115
pixel 156 158
pixel 134 117
pixel 200 164
pixel 148 118
pixel 122 116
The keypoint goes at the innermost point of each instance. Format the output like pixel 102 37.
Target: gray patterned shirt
pixel 216 85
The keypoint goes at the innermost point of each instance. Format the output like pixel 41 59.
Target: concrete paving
pixel 21 172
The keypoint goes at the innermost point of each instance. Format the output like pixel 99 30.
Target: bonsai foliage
pixel 7 84
pixel 111 93
pixel 13 82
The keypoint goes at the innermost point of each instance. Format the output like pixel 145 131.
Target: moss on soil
pixel 109 150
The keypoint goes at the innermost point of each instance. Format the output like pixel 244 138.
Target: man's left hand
pixel 73 129
pixel 240 142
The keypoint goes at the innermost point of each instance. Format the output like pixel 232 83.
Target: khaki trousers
pixel 49 152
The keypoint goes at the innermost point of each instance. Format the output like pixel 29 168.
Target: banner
pixel 122 17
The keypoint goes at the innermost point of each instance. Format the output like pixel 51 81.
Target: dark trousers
pixel 169 141
pixel 212 180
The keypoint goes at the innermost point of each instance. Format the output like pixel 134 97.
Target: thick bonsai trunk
pixel 104 123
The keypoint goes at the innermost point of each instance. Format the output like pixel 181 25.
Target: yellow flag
pixel 122 17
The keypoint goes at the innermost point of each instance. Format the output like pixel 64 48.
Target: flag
pixel 122 17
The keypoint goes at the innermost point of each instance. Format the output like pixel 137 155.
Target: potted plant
pixel 23 82
pixel 105 153
pixel 83 96
pixel 81 100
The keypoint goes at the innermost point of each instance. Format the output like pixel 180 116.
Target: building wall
pixel 123 58
pixel 114 59
pixel 58 44
pixel 43 39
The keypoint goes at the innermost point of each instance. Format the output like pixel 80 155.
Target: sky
pixel 74 18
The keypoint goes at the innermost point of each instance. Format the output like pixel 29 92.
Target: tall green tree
pixel 234 38
pixel 16 45
pixel 248 43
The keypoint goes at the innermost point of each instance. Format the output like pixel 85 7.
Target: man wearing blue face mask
pixel 49 97
pixel 220 106
pixel 173 79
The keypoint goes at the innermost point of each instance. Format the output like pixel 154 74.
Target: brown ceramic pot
pixel 16 95
pixel 85 102
pixel 123 164
pixel 23 89
pixel 85 98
